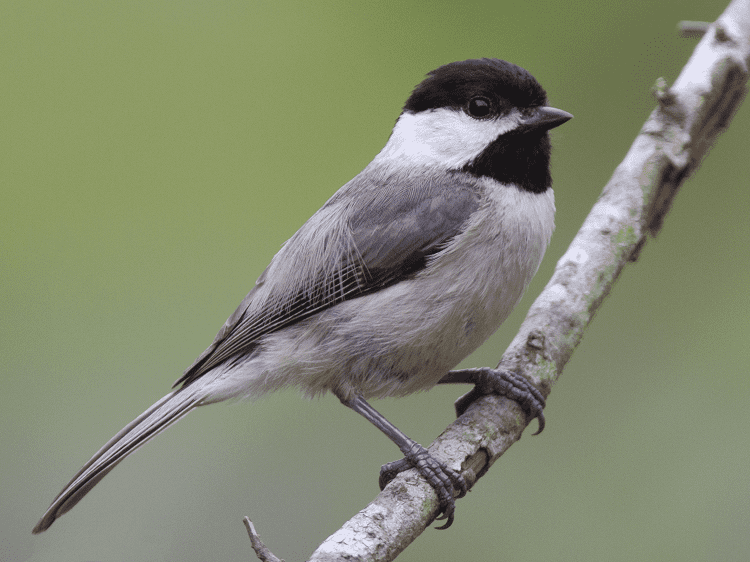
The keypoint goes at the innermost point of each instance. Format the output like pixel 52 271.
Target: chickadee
pixel 404 272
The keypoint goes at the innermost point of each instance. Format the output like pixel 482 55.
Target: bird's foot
pixel 512 386
pixel 445 481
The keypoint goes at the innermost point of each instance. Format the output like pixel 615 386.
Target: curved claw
pixel 448 516
pixel 540 418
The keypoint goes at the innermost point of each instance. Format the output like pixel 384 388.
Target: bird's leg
pixel 495 381
pixel 486 381
pixel 444 480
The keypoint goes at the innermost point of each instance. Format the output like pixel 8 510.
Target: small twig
pixel 261 550
pixel 692 29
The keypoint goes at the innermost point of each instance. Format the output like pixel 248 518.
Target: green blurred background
pixel 154 157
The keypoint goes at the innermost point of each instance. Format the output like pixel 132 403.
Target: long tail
pixel 150 423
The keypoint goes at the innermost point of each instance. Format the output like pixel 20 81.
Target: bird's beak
pixel 543 119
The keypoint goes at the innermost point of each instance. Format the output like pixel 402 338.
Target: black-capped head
pixel 496 85
pixel 504 119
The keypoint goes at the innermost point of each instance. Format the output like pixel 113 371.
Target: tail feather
pixel 153 421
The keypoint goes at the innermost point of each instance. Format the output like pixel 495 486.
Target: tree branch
pixel 261 550
pixel 676 137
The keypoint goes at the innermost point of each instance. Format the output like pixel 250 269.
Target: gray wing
pixel 371 234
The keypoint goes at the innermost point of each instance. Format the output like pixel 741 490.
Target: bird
pixel 400 275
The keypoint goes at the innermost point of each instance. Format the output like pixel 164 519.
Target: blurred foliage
pixel 155 155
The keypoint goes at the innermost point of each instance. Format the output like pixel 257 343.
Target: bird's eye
pixel 479 107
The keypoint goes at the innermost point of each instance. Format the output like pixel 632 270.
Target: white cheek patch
pixel 447 138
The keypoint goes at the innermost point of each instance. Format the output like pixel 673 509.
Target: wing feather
pixel 371 234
